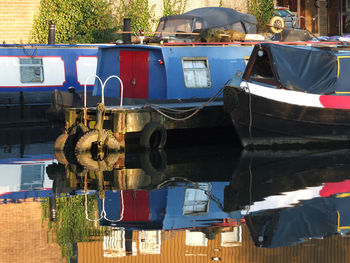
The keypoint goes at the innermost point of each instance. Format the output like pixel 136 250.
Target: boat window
pixel 196 72
pixel 31 70
pixel 262 68
pixel 196 199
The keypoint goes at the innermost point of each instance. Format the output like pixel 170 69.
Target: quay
pixel 108 128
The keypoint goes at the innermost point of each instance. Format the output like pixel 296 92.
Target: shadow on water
pixel 215 196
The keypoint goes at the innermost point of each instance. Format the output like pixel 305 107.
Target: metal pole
pixel 51 40
pixel 127 28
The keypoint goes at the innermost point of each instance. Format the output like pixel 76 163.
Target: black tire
pixel 276 24
pixel 153 136
pixel 153 162
pixel 86 142
pixel 75 132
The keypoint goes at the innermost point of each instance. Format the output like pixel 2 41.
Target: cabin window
pixel 31 70
pixel 262 70
pixel 196 200
pixel 196 73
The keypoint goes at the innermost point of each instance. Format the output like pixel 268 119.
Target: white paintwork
pixel 86 66
pixel 54 72
pixel 10 178
pixel 287 199
pixel 283 95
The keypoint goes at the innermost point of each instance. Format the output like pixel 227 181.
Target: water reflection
pixel 200 203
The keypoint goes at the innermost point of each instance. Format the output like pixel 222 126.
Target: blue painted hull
pixel 164 73
pixel 68 57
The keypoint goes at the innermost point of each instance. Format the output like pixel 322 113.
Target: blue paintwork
pixel 68 53
pixel 166 209
pixel 167 81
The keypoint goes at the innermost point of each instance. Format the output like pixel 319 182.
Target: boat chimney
pixel 51 40
pixel 127 28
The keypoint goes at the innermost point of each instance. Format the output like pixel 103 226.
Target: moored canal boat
pixel 30 73
pixel 292 96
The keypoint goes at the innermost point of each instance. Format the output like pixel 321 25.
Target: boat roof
pixel 312 69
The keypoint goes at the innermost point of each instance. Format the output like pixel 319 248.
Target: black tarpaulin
pixel 209 17
pixel 302 68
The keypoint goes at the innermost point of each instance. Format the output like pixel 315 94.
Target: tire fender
pixel 85 143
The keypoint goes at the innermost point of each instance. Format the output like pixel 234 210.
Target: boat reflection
pixel 290 197
pixel 213 202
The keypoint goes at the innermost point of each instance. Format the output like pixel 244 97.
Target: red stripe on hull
pixel 335 102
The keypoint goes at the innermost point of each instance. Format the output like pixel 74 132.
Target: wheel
pixel 88 142
pixel 153 136
pixel 276 24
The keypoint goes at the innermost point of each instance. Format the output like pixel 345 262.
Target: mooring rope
pixel 162 109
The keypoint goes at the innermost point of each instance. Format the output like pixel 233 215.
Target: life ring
pixel 153 136
pixel 89 139
pixel 153 162
pixel 87 161
pixel 276 24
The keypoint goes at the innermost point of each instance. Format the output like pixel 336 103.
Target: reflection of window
pixel 194 238
pixel 196 72
pixel 114 244
pixel 150 242
pixel 196 200
pixel 31 70
pixel 232 238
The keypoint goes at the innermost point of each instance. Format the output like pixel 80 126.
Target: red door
pixel 136 206
pixel 133 70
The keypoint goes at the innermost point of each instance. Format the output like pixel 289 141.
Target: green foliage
pixel 173 7
pixel 139 13
pixel 263 11
pixel 77 21
pixel 72 226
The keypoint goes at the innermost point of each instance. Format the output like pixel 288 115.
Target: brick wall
pixel 16 19
pixel 23 237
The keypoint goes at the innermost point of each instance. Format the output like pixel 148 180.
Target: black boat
pixel 292 96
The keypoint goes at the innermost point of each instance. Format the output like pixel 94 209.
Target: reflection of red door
pixel 133 70
pixel 136 206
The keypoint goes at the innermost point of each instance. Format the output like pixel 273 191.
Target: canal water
pixel 203 202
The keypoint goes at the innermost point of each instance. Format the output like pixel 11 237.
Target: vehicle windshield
pixel 175 25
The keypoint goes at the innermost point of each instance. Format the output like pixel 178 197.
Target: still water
pixel 200 203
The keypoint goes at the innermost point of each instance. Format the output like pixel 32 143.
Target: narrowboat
pixel 292 96
pixel 31 73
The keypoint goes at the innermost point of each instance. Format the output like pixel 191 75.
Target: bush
pixel 137 10
pixel 77 21
pixel 263 11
